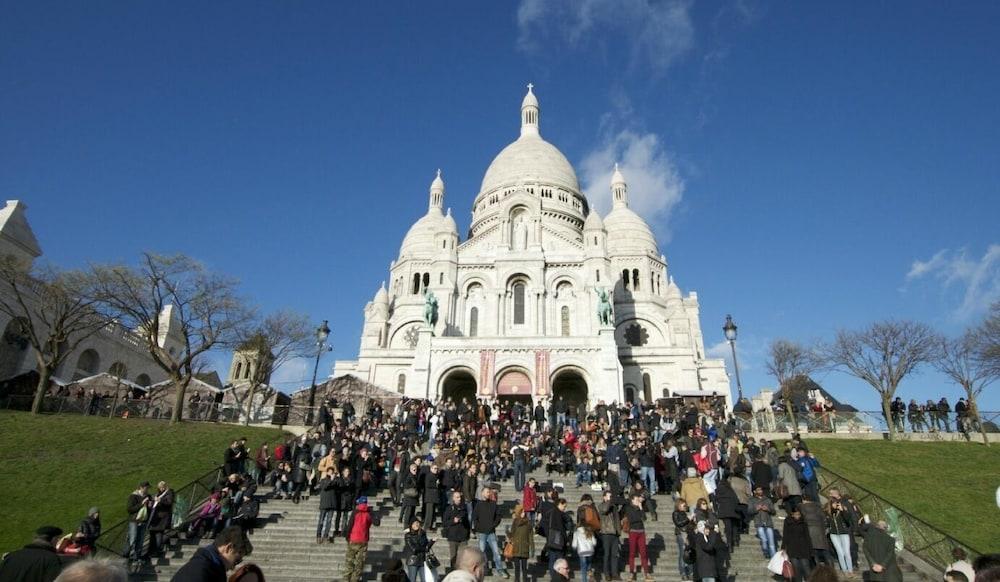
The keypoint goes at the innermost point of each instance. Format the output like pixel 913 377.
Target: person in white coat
pixel 584 543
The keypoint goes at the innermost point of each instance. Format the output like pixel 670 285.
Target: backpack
pixel 591 519
pixel 808 473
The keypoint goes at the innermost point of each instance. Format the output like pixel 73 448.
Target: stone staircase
pixel 286 550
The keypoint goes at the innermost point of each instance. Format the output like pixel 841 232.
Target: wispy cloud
pixel 654 185
pixel 657 32
pixel 977 280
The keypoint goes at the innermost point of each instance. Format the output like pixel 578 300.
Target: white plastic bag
pixel 777 562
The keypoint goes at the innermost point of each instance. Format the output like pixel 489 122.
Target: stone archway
pixel 571 384
pixel 514 385
pixel 458 384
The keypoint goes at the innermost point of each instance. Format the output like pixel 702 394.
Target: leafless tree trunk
pixel 787 360
pixel 960 359
pixel 180 309
pixel 54 311
pixel 882 354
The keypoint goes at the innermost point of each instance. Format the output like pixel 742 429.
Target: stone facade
pixel 114 349
pixel 517 301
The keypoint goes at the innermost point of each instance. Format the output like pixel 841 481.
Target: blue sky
pixel 806 167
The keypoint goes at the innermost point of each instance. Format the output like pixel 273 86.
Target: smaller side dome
pixel 449 223
pixel 593 221
pixel 381 296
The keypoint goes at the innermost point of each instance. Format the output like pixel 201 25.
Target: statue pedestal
pixel 422 364
pixel 610 365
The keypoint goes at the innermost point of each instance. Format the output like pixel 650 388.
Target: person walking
pixel 761 509
pixel 35 562
pixel 432 495
pixel 417 547
pixel 558 528
pixel 210 563
pixel 411 496
pixel 797 544
pixel 584 543
pixel 456 527
pixel 520 536
pixel 358 530
pixel 485 519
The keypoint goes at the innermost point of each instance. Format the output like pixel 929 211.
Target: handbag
pixel 432 560
pixel 142 514
pixel 689 555
pixel 508 550
pixel 787 570
pixel 556 540
pixel 776 564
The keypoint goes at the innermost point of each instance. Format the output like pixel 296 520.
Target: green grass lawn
pixel 951 486
pixel 56 467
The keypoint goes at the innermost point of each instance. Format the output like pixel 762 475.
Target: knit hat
pixel 92 511
pixel 362 499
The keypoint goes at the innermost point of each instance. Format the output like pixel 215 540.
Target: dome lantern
pixel 437 191
pixel 619 190
pixel 529 113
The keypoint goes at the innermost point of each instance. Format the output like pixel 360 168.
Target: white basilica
pixel 518 299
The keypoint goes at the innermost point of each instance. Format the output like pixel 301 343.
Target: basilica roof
pixel 530 158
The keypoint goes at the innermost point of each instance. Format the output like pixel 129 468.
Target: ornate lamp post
pixel 322 332
pixel 730 330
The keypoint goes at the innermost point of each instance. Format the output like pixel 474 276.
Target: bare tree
pixel 958 359
pixel 271 343
pixel 180 309
pixel 788 360
pixel 54 313
pixel 988 341
pixel 882 354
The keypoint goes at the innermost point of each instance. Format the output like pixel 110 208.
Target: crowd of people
pixel 449 467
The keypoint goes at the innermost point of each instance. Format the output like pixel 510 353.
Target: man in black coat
pixel 432 495
pixel 456 526
pixel 210 563
pixel 35 562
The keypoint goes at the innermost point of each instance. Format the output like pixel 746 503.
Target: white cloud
pixel 978 280
pixel 657 31
pixel 654 185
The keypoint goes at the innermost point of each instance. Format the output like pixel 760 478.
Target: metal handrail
pixel 857 422
pixel 920 538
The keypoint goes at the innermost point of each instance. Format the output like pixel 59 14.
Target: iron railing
pixel 111 407
pixel 187 503
pixel 920 538
pixel 860 422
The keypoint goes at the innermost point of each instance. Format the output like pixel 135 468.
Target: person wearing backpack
pixel 587 515
pixel 810 477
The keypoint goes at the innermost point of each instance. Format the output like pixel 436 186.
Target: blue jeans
pixel 766 537
pixel 623 475
pixel 136 536
pixel 519 476
pixel 490 539
pixel 574 424
pixel 842 543
pixel 323 525
pixel 647 475
pixel 585 567
pixel 561 419
pixel 582 477
pixel 414 573
pixel 468 507
pixel 553 556
pixel 683 568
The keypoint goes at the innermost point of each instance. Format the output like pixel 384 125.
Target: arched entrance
pixel 458 384
pixel 514 386
pixel 571 385
pixel 630 395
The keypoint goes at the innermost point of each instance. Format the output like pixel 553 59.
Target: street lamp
pixel 322 332
pixel 730 330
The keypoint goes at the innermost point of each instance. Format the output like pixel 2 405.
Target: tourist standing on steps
pixel 880 549
pixel 470 485
pixel 584 542
pixel 411 495
pixel 485 520
pixel 162 513
pixel 635 517
pixel 840 524
pixel 683 528
pixel 328 505
pixel 520 536
pixel 346 491
pixel 417 547
pixel 456 527
pixel 432 495
pixel 558 532
pixel 788 480
pixel 358 530
pixel 137 506
pixel 611 529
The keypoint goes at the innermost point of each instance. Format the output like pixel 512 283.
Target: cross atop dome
pixel 529 113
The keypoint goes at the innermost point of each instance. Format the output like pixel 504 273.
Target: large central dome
pixel 530 159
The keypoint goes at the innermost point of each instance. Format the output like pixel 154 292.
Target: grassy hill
pixel 950 485
pixel 56 467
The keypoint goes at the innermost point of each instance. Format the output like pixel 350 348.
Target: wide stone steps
pixel 286 550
